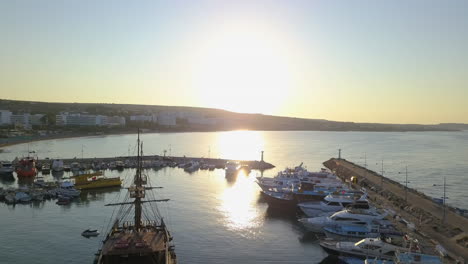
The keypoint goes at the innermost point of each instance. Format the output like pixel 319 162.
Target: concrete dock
pixel 450 232
pixel 219 163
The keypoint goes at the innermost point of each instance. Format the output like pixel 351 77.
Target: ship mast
pixel 139 190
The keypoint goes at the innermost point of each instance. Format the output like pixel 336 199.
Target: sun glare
pixel 242 69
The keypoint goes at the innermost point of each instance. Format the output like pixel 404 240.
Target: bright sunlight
pixel 243 68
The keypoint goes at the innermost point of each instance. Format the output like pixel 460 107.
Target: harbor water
pixel 214 220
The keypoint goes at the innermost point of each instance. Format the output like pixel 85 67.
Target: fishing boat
pixel 26 167
pixel 95 180
pixel 146 239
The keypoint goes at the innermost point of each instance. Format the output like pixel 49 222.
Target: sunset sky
pixel 363 61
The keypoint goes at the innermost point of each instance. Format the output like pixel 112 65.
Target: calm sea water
pixel 212 220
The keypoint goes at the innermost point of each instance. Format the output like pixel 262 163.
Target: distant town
pixel 21 118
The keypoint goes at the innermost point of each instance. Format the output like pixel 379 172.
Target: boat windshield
pixel 360 243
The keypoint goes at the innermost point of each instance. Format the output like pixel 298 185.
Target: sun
pixel 242 69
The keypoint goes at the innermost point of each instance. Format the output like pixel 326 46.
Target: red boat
pixel 26 167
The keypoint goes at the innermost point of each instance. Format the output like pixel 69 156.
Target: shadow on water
pixel 25 181
pixel 310 237
pixel 7 179
pixel 57 174
pixel 87 196
pixel 331 259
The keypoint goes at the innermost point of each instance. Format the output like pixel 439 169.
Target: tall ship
pixel 26 167
pixel 145 239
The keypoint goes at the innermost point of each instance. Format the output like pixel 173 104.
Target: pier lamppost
pixel 444 198
pixel 381 176
pixel 406 182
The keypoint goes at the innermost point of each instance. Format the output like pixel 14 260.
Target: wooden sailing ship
pixel 142 241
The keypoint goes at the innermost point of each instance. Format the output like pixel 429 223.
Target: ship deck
pixel 128 242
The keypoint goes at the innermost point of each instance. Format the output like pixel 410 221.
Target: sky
pixel 364 61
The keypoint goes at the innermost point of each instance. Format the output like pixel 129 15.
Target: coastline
pixel 44 138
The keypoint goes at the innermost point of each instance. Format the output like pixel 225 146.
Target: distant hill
pixel 235 120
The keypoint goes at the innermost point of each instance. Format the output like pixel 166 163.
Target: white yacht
pixel 6 167
pixel 333 203
pixel 382 248
pixel 57 165
pixel 316 224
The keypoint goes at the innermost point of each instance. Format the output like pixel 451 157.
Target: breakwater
pixel 429 219
pixel 218 163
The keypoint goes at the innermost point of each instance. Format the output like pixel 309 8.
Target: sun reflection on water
pixel 239 208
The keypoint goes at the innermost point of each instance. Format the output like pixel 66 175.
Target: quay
pixel 218 163
pixel 431 222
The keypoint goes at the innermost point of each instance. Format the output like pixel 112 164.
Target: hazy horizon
pixel 363 61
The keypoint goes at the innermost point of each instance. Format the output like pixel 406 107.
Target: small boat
pixel 119 165
pixel 95 180
pixel 6 167
pixel 75 167
pixel 193 167
pixel 63 200
pixel 57 165
pixel 90 233
pixel 46 168
pixel 66 168
pixel 21 197
pixel 231 169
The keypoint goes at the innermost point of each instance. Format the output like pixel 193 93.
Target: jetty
pixel 443 227
pixel 218 163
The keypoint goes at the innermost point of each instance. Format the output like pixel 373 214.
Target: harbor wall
pixel 449 231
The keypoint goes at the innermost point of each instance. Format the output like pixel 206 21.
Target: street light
pixel 443 199
pixel 406 182
pixel 381 176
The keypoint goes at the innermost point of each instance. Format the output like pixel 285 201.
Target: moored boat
pixel 95 180
pixel 26 167
pixel 232 168
pixel 57 165
pixel 6 167
pixel 382 247
pixel 90 233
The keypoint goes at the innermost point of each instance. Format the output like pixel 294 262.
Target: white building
pixel 78 119
pixel 5 117
pixel 116 121
pixel 167 118
pixel 144 118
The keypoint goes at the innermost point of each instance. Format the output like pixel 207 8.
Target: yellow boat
pixel 95 180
